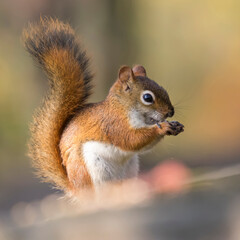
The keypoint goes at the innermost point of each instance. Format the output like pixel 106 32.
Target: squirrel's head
pixel 147 103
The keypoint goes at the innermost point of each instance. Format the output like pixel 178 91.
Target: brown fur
pixel 66 67
pixel 64 122
pixel 107 122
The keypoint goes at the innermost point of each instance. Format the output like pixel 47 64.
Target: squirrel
pixel 77 145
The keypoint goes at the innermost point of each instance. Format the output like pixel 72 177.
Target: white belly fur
pixel 106 162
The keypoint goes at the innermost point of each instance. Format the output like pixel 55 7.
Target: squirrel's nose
pixel 170 113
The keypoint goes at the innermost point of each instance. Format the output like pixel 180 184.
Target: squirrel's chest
pixel 106 162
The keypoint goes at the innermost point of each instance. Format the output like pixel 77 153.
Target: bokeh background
pixel 191 48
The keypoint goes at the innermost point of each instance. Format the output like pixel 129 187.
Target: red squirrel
pixel 77 145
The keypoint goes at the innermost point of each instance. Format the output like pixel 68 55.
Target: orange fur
pixel 65 122
pixel 104 122
pixel 55 47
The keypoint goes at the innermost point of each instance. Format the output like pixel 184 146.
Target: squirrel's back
pixel 55 47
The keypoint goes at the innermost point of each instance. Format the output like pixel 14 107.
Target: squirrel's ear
pixel 139 70
pixel 125 74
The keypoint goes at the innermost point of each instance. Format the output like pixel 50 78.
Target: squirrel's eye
pixel 147 97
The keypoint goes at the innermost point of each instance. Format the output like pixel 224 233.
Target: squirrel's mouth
pixel 154 118
pixel 157 117
pixel 154 121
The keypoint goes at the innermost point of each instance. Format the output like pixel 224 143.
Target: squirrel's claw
pixel 175 128
pixel 171 128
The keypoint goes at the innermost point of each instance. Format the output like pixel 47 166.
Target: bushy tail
pixel 55 47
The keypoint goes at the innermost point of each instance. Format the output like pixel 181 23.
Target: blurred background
pixel 191 48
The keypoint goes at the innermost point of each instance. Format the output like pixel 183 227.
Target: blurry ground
pixel 205 208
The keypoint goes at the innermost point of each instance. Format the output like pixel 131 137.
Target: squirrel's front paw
pixel 171 128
